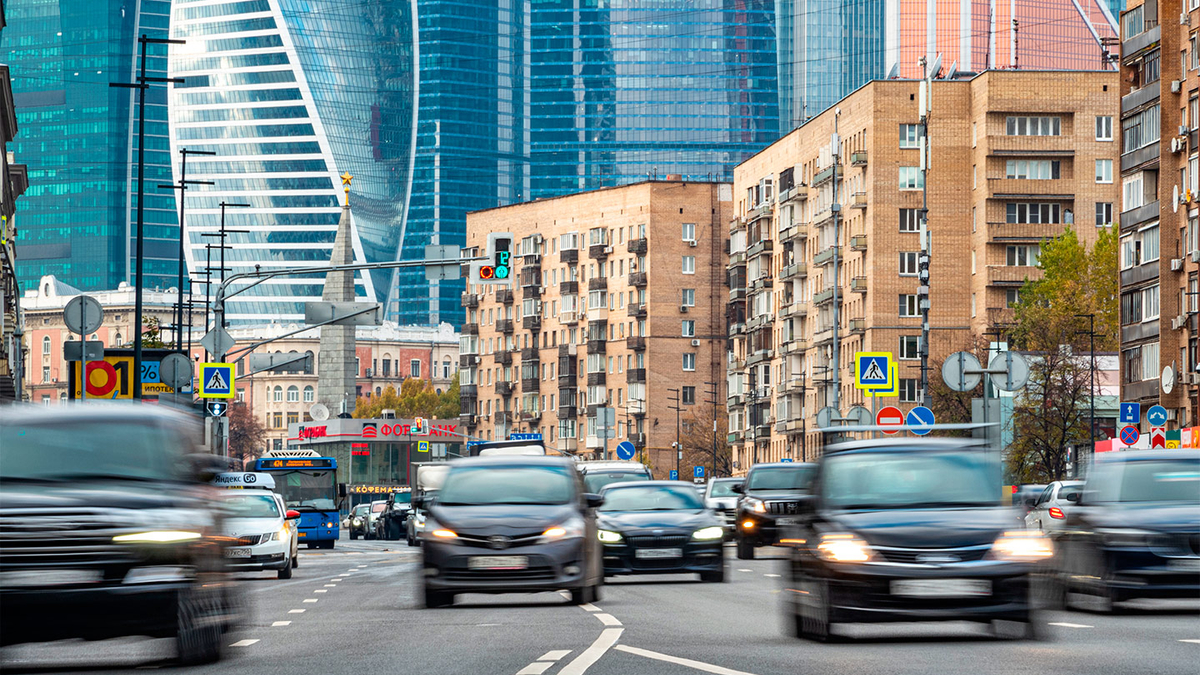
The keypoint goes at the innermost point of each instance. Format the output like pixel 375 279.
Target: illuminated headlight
pixel 755 505
pixel 157 574
pixel 843 548
pixel 1022 546
pixel 1125 537
pixel 419 524
pixel 569 530
pixel 442 533
pixel 708 533
pixel 157 537
pixel 358 521
pixel 609 537
pixel 283 533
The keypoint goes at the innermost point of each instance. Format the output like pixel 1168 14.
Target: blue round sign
pixel 1129 435
pixel 625 450
pixel 919 420
pixel 1157 416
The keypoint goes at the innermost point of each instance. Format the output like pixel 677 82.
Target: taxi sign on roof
pixel 245 480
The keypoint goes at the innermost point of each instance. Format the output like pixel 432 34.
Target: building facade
pixel 607 282
pixel 1011 166
pixel 13 183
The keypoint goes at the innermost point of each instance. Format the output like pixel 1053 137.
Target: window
pixel 908 263
pixel 689 361
pixel 689 328
pixel 414 368
pixel 909 306
pixel 1140 130
pixel 1037 169
pixel 308 394
pixel 911 178
pixel 1130 252
pixel 689 297
pixel 1016 213
pixel 910 136
pixel 1151 67
pixel 277 420
pixel 1194 112
pixel 293 394
pixel 1133 191
pixel 1104 214
pixel 1131 22
pixel 1022 256
pixel 1011 297
pixel 688 395
pixel 1149 243
pixel 1141 363
pixel 293 418
pixel 910 347
pixel 910 220
pixel 277 394
pixel 45 374
pixel 1104 171
pixel 1150 303
pixel 689 232
pixel 908 390
pixel 1033 126
pixel 689 264
pixel 1104 127
pixel 46 346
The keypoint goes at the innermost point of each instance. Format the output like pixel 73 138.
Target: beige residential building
pixel 1017 157
pixel 618 297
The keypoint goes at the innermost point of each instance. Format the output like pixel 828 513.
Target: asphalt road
pixel 356 609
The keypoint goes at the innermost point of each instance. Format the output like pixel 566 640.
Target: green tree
pixel 1049 415
pixel 370 407
pixel 697 437
pixel 448 404
pixel 151 334
pixel 1074 282
pixel 950 406
pixel 416 398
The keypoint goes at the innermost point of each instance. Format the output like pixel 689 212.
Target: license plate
pixel 1185 564
pixel 785 521
pixel 658 553
pixel 23 578
pixel 498 562
pixel 942 588
pixel 237 553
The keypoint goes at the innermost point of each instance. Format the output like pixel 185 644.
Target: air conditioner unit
pixel 369 371
pixel 695 343
pixel 1176 264
pixel 1196 256
pixel 1183 130
pixel 683 308
pixel 608 249
pixel 1175 86
pixel 1175 146
pixel 693 243
pixel 1183 18
pixel 537 238
pixel 1177 322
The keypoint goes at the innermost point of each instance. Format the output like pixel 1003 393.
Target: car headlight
pixel 609 537
pixel 358 521
pixel 708 533
pixel 755 505
pixel 157 537
pixel 283 533
pixel 569 530
pixel 842 547
pixel 1124 537
pixel 1022 546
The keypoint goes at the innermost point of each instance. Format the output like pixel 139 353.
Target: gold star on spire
pixel 346 178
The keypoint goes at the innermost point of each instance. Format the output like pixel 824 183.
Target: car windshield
pixel 403 498
pixel 251 506
pixel 488 485
pixel 780 478
pixel 378 508
pixel 1167 480
pixel 911 479
pixel 652 498
pixel 595 481
pixel 724 488
pixel 361 509
pixel 122 449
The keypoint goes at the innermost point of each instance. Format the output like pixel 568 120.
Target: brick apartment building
pixel 606 283
pixel 1017 156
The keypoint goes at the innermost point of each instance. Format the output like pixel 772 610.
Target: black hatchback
pixel 909 530
pixel 660 527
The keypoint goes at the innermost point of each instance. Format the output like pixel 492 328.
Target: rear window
pixel 1167 480
pixel 597 480
pixel 724 488
pixel 378 508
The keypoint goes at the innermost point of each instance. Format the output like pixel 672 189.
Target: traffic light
pixel 420 426
pixel 497 268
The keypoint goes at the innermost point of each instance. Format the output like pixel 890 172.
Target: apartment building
pixel 618 299
pixel 1017 157
pixel 1160 209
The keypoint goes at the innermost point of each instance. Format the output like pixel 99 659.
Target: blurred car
pixel 598 473
pixel 1049 511
pixel 108 528
pixel 414 526
pixel 357 527
pixel 721 497
pixel 1135 532
pixel 659 527
pixel 1025 496
pixel 372 517
pixel 770 500
pixel 261 531
pixel 393 520
pixel 511 524
pixel 909 530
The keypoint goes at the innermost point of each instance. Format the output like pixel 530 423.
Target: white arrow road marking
pixel 580 664
pixel 1064 624
pixel 243 643
pixel 698 665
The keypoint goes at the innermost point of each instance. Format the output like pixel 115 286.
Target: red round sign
pixel 889 416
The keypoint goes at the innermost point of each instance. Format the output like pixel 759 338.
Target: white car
pixel 263 530
pixel 720 497
pixel 1049 512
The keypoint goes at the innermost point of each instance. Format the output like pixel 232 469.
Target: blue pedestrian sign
pixel 787 459
pixel 216 380
pixel 872 369
pixel 697 472
pixel 674 474
pixel 919 420
pixel 625 450
pixel 1131 413
pixel 1157 416
pixel 422 446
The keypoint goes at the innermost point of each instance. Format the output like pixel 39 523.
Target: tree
pixel 151 334
pixel 247 436
pixel 697 437
pixel 448 404
pixel 1049 415
pixel 416 398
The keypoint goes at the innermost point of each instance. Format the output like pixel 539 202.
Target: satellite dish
pixel 1175 199
pixel 319 412
pixel 894 72
pixel 953 72
pixel 937 67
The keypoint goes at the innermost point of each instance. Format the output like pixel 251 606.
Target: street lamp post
pixel 1091 317
pixel 678 447
pixel 182 187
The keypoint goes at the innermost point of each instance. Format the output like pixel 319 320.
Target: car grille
pixel 658 541
pixel 783 508
pixel 931 556
pixel 728 516
pixel 251 539
pixel 500 542
pixel 1175 545
pixel 59 538
pixel 539 573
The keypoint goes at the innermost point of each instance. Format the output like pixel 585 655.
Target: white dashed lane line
pixel 771 576
pixel 296 611
pixel 310 599
pixel 280 623
pixel 243 643
pixel 1065 624
pixel 744 569
pixel 321 590
pixel 607 619
pixel 589 607
pixel 608 638
pixel 330 585
pixel 1197 642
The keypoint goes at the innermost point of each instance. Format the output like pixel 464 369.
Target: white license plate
pixel 942 588
pixel 498 562
pixel 23 578
pixel 786 521
pixel 237 553
pixel 1185 564
pixel 658 553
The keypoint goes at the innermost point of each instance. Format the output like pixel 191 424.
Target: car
pixel 770 499
pixel 1025 496
pixel 414 526
pixel 1049 511
pixel 357 527
pixel 109 538
pixel 261 532
pixel 393 520
pixel 659 527
pixel 511 524
pixel 909 530
pixel 598 473
pixel 372 517
pixel 720 496
pixel 1134 533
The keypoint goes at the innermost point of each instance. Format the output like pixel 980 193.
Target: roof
pixel 512 460
pixel 611 465
pixel 907 443
pixel 606 189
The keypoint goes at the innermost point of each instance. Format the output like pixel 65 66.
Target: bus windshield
pixel 307 490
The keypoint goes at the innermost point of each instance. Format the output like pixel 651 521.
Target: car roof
pixel 1147 455
pixel 611 465
pixel 729 479
pixel 512 460
pixel 646 483
pixel 781 465
pixel 905 444
pixel 98 411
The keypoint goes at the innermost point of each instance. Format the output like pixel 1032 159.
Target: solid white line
pixel 773 576
pixel 535 668
pixel 281 623
pixel 1064 624
pixel 698 665
pixel 555 655
pixel 310 599
pixel 295 611
pixel 1192 641
pixel 580 664
pixel 243 643
pixel 607 619
pixel 589 607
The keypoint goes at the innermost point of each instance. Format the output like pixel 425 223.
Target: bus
pixel 308 485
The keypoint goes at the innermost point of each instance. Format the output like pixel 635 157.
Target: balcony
pixel 736 224
pixel 1136 216
pixel 794 271
pixel 634 375
pixel 531 292
pixel 637 279
pixel 468 392
pixel 464 361
pixel 825 257
pixel 504 389
pixel 760 356
pixel 503 357
pixel 793 231
pixel 795 308
pixel 1140 97
pixel 792 385
pixel 823 176
pixel 599 251
pixel 1141 41
pixel 566 412
pixel 568 288
pixel 737 329
pixel 470 328
pixel 530 354
pixel 505 296
pixel 735 401
pixel 737 294
pixel 532 322
pixel 1044 146
pixel 858 326
pixel 532 259
pixel 822 297
pixel 798 192
pixel 530 415
pixel 795 346
pixel 761 211
pixel 764 246
pixel 637 344
pixel 737 259
pixel 858 242
pixel 636 245
pixel 504 326
pixel 470 300
pixel 1145 156
pixel 568 256
pixel 566 318
pixel 858 284
pixel 858 158
pixel 825 217
pixel 502 417
pixel 596 378
pixel 598 314
pixel 858 200
pixel 761 283
pixel 468 419
pixel 1005 275
pixel 759 322
pixel 530 385
pixel 637 311
pixel 597 346
pixel 598 284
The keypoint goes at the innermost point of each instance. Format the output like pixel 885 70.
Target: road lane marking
pixel 580 664
pixel 555 655
pixel 589 607
pixel 296 611
pixel 536 668
pixel 1192 641
pixel 698 665
pixel 321 590
pixel 280 623
pixel 330 585
pixel 1065 624
pixel 772 576
pixel 607 619
pixel 310 599
pixel 243 643
pixel 744 569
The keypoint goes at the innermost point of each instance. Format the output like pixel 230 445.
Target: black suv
pixel 770 500
pixel 108 529
pixel 393 522
pixel 909 530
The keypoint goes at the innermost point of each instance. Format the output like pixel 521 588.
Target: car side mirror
pixel 1073 497
pixel 342 490
pixel 1030 501
pixel 739 489
pixel 418 502
pixel 292 515
pixel 594 501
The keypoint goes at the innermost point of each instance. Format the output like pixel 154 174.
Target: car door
pixel 1034 519
pixel 1059 500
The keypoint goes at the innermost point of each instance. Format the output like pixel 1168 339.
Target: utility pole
pixel 835 148
pixel 678 447
pixel 142 84
pixel 1091 317
pixel 224 232
pixel 182 187
pixel 926 95
pixel 713 402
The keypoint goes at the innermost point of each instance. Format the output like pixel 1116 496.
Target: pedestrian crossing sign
pixel 216 380
pixel 891 392
pixel 873 370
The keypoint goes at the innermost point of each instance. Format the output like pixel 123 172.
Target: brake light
pixel 1056 512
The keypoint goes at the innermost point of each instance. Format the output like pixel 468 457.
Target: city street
pixel 356 610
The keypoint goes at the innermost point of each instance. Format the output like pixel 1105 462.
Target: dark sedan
pixel 511 524
pixel 660 527
pixel 1135 532
pixel 770 501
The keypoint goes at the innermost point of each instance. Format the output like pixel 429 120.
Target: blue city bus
pixel 308 485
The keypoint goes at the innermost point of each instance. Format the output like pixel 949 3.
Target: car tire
pixel 1022 629
pixel 408 539
pixel 814 618
pixel 353 534
pixel 285 572
pixel 715 576
pixel 584 594
pixel 198 630
pixel 745 550
pixel 435 599
pixel 296 559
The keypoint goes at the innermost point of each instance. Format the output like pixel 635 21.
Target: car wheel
pixel 198 628
pixel 1022 629
pixel 745 550
pixel 715 576
pixel 408 539
pixel 353 534
pixel 285 572
pixel 435 599
pixel 583 594
pixel 814 612
pixel 295 559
